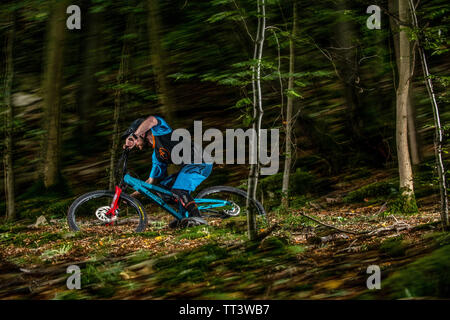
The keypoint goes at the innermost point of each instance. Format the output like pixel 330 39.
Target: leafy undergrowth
pixel 298 260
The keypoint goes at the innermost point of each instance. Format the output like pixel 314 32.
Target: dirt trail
pixel 312 263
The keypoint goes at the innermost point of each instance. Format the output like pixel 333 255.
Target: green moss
pixel 33 240
pixel 188 266
pixel 402 205
pixel 379 190
pixel 47 205
pixel 393 247
pixel 426 277
pixel 293 221
pixel 194 233
pixel 301 183
pixel 12 227
pixel 58 209
pixel 296 249
pixel 147 234
pixel 71 295
pixel 358 174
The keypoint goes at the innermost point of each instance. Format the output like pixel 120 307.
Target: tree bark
pixel 412 132
pixel 91 60
pixel 437 125
pixel 414 145
pixel 288 126
pixel 9 118
pixel 347 66
pixel 52 93
pixel 158 56
pixel 257 118
pixel 405 75
pixel 122 77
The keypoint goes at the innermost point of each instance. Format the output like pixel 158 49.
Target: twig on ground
pixel 398 226
pixel 333 227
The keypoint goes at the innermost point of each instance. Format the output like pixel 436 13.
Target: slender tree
pixel 122 75
pixel 405 72
pixel 412 132
pixel 257 116
pixel 158 60
pixel 348 72
pixel 52 92
pixel 288 120
pixel 91 61
pixel 437 124
pixel 9 117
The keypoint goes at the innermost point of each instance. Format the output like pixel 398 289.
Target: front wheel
pixel 89 213
pixel 224 202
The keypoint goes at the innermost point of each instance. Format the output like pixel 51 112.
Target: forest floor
pixel 296 259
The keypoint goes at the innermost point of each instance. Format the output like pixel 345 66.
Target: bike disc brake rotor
pixel 234 210
pixel 102 215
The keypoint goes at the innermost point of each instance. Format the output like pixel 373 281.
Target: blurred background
pixel 69 93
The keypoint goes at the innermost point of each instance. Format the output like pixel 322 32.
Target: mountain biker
pixel 154 131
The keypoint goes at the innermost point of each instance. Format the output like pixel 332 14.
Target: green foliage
pixel 61 250
pixel 101 281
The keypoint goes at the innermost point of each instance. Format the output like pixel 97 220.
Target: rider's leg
pixel 187 202
pixel 188 179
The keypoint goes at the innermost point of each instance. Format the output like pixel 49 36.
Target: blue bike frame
pixel 146 188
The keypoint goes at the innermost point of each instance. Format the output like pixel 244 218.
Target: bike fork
pixel 114 204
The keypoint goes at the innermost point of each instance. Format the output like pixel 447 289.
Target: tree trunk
pixel 9 117
pixel 405 75
pixel 122 77
pixel 414 146
pixel 412 132
pixel 91 60
pixel 438 128
pixel 158 56
pixel 257 116
pixel 288 151
pixel 52 93
pixel 347 66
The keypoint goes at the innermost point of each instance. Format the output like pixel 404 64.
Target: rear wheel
pixel 234 204
pixel 89 213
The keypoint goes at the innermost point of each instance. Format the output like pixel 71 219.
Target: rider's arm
pixel 145 126
pixel 148 123
pixel 158 171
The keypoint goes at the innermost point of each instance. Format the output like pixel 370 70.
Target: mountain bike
pixel 97 210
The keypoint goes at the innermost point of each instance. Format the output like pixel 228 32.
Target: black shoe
pixel 192 222
pixel 175 223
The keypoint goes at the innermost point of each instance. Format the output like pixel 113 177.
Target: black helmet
pixel 132 128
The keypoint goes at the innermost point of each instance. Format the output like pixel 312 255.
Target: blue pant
pixel 189 177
